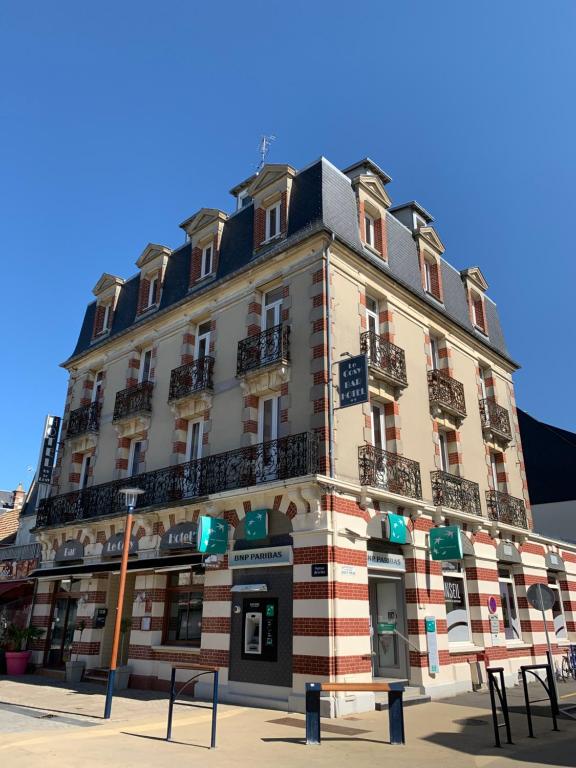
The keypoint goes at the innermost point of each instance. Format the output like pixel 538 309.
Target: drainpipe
pixel 335 642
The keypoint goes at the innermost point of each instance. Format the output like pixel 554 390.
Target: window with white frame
pixel 97 388
pixel 152 290
pixel 372 315
pixel 509 603
pixel 136 457
pixel 145 366
pixel 273 221
pixel 444 456
pixel 106 318
pixel 194 440
pixel 378 427
pixel 207 258
pixel 369 229
pixel 435 352
pixel 456 602
pixel 202 345
pixel 557 609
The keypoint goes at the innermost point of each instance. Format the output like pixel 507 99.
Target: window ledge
pixel 481 331
pixel 178 649
pixel 148 310
pixel 271 239
pixel 513 644
pixel 373 251
pixel 433 296
pixel 464 648
pixel 100 336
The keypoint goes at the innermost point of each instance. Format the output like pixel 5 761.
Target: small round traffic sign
pixel 492 604
pixel 540 596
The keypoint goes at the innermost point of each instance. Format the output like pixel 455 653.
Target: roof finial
pixel 263 149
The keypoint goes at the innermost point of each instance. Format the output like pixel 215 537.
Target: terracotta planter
pixel 17 662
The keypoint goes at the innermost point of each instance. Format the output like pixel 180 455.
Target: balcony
pixel 191 378
pixel 16 562
pixel 386 360
pixel 20 552
pixel 264 349
pixel 133 400
pixel 84 419
pixel 495 420
pixel 293 456
pixel 446 394
pixel 455 493
pixel 389 471
pixel 506 509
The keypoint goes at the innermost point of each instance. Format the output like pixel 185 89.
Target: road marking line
pixel 125 726
pixel 568 695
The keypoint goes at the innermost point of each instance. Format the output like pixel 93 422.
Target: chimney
pixel 19 496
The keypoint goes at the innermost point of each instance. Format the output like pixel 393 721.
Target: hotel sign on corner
pixel 353 380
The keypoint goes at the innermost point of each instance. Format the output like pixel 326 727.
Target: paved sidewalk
pixel 452 733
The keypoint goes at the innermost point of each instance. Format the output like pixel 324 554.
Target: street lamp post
pixel 130 498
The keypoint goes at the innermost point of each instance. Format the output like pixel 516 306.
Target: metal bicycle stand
pixel 549 688
pixel 500 690
pixel 173 695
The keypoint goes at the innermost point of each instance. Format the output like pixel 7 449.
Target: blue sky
pixel 120 119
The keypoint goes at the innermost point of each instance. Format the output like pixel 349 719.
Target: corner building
pixel 205 380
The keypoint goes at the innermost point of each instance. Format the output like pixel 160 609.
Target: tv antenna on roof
pixel 263 149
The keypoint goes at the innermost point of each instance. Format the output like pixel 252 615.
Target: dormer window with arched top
pixel 476 287
pixel 204 230
pixel 107 291
pixel 152 263
pixel 368 182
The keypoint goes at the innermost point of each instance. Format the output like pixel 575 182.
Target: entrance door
pixel 389 652
pixel 62 631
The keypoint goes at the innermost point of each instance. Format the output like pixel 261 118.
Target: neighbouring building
pixel 550 457
pixel 207 381
pixel 17 560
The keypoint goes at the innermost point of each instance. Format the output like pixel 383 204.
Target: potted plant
pixel 16 637
pixel 123 670
pixel 75 669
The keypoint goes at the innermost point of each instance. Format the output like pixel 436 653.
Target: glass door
pixel 62 631
pixel 387 616
pixel 271 318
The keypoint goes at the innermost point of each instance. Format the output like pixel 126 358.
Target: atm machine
pixel 253 633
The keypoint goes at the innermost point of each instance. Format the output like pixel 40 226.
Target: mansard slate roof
pixel 322 199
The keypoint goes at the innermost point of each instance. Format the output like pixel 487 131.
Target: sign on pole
pixel 353 380
pixel 432 643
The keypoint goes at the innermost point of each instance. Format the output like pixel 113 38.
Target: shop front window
pixel 456 601
pixel 184 600
pixel 557 609
pixel 509 605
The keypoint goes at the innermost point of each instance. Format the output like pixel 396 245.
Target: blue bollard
pixel 313 713
pixel 396 716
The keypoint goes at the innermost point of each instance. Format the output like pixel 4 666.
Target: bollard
pixel 396 716
pixel 313 713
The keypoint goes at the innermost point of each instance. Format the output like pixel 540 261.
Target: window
pixel 194 441
pixel 378 428
pixel 478 312
pixel 152 289
pixel 106 318
pixel 145 366
pixel 372 315
pixel 509 605
pixel 444 458
pixel 268 418
pixel 496 467
pixel 203 340
pixel 557 609
pixel 272 314
pixel 432 278
pixel 85 471
pixel 369 228
pixel 483 373
pixel 97 388
pixel 135 458
pixel 183 618
pixel 273 221
pixel 206 266
pixel 456 601
pixel 435 353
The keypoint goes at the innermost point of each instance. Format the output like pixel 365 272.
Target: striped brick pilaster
pixel 187 347
pixel 179 442
pixel 133 367
pixel 87 387
pixel 392 426
pixel 386 318
pixel 519 452
pixel 455 460
pixel 319 364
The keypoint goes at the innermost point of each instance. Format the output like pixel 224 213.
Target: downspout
pixel 334 574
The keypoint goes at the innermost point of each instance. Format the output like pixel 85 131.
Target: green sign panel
pixel 446 543
pixel 256 524
pixel 385 628
pixel 396 528
pixel 212 535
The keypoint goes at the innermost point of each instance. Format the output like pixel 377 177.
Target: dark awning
pixel 114 566
pixel 15 588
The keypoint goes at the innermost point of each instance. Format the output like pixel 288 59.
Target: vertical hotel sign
pixel 353 381
pixel 48 449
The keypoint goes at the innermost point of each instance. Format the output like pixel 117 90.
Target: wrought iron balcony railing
pixel 506 509
pixel 271 346
pixel 133 400
pixel 495 418
pixel 293 456
pixel 455 492
pixel 20 552
pixel 84 419
pixel 385 356
pixel 446 393
pixel 191 377
pixel 394 473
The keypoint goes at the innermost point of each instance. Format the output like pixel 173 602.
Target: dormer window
pixel 477 312
pixel 206 263
pixel 431 277
pixel 273 221
pixel 106 318
pixel 102 319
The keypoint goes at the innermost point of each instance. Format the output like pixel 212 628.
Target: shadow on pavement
pixel 163 738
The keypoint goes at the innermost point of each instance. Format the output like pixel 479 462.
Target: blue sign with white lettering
pixel 353 375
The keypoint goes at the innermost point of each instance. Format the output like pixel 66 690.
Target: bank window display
pixel 456 601
pixel 557 609
pixel 509 605
pixel 183 618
